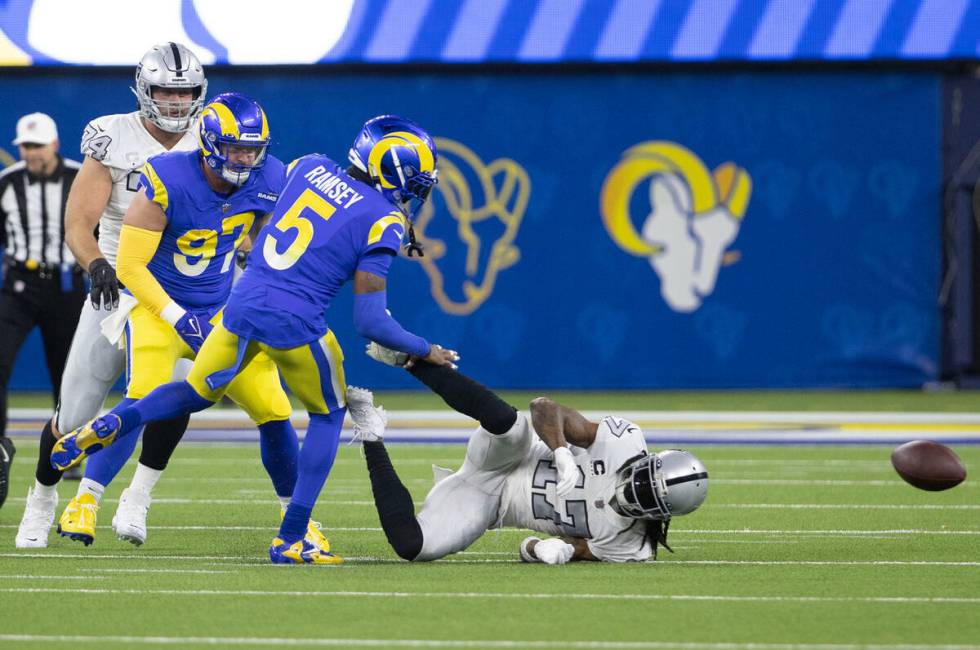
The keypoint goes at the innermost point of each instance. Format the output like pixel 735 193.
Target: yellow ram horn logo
pixel 486 203
pixel 695 214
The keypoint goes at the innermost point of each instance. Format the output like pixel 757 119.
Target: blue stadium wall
pixel 602 229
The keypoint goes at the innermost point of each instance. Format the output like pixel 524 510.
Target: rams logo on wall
pixel 469 229
pixel 694 215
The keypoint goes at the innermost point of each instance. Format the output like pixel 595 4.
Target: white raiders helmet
pixel 661 485
pixel 170 65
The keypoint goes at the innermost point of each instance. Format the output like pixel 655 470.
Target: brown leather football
pixel 928 465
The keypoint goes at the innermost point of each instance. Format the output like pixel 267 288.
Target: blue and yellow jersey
pixel 195 258
pixel 324 223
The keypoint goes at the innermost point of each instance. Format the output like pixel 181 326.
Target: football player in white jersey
pixel 591 485
pixel 170 89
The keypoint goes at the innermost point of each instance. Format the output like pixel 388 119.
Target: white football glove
pixel 553 551
pixel 385 355
pixel 567 471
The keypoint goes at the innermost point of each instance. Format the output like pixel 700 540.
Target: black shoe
pixel 7 452
pixel 75 473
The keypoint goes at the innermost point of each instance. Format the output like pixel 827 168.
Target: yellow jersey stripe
pixel 160 196
pixel 378 229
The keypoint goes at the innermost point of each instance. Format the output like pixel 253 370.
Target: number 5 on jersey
pixel 293 219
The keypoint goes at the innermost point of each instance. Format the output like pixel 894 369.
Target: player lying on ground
pixel 170 87
pixel 180 235
pixel 328 227
pixel 591 484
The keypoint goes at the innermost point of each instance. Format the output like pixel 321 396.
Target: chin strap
pixel 413 246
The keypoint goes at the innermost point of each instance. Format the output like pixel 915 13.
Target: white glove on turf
pixel 553 551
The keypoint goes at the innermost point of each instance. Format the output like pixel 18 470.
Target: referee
pixel 42 284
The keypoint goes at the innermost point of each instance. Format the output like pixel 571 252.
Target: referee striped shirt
pixel 33 213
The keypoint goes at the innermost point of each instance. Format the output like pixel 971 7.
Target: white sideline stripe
pixel 465 643
pixel 946 600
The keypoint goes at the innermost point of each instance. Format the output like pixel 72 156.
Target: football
pixel 928 465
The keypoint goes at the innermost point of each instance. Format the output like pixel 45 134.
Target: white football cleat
pixel 38 519
pixel 369 420
pixel 129 523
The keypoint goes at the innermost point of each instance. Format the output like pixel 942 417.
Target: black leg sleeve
pixel 394 503
pixel 45 474
pixel 466 396
pixel 160 439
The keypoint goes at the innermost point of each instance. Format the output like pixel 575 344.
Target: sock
pixel 293 526
pixel 88 486
pixel 315 461
pixel 45 491
pixel 163 403
pixel 284 503
pixel 145 478
pixel 394 503
pixel 279 447
pixel 466 396
pixel 160 439
pixel 45 474
pixel 103 466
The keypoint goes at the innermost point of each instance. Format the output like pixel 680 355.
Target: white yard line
pixel 849 506
pixel 236 560
pixel 462 643
pixel 368 503
pixel 13 576
pixel 937 600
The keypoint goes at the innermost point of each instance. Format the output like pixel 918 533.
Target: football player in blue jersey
pixel 177 248
pixel 329 227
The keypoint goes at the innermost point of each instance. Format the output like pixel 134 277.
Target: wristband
pixel 172 313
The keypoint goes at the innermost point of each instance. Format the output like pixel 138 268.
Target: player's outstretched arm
pixel 373 321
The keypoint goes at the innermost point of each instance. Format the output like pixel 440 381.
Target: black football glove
pixel 105 286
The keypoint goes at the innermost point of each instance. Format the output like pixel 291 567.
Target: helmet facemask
pixel 641 490
pixel 237 173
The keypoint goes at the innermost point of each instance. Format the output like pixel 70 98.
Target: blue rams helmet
pixel 234 136
pixel 399 157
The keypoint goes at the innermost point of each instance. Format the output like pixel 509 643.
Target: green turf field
pixel 801 547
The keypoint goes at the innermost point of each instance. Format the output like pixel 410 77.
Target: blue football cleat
pixel 301 552
pixel 85 441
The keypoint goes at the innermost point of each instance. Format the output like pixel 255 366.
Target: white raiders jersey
pixel 528 499
pixel 122 143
